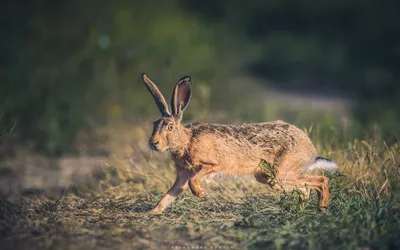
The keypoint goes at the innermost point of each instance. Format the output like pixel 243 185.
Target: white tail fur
pixel 325 164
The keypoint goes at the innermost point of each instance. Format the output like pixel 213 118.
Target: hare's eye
pixel 170 127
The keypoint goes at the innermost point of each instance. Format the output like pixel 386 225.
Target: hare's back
pixel 273 134
pixel 247 143
pixel 266 134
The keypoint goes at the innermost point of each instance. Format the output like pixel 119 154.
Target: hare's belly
pixel 232 173
pixel 235 167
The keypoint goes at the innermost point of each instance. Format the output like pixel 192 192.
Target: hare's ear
pixel 158 97
pixel 181 96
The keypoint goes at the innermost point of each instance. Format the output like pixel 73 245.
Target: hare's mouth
pixel 160 149
pixel 157 148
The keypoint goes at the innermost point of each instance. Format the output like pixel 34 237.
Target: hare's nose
pixel 153 144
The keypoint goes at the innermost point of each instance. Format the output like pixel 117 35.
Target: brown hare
pixel 201 149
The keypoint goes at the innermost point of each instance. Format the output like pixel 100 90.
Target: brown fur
pixel 200 149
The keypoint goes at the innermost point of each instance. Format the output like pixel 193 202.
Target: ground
pixel 109 209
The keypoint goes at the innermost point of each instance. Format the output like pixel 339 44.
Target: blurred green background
pixel 69 67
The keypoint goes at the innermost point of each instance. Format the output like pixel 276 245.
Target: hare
pixel 201 149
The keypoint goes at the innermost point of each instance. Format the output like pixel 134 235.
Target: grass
pixel 235 214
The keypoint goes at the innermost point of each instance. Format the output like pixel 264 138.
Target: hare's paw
pixel 199 193
pixel 156 210
pixel 196 189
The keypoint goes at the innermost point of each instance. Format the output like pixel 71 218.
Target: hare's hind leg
pixel 277 184
pixel 321 184
pixel 305 183
pixel 289 176
pixel 285 185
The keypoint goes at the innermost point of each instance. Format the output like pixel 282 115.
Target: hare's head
pixel 168 133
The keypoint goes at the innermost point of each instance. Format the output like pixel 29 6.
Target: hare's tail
pixel 323 163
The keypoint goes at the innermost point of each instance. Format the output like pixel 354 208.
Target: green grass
pixel 236 214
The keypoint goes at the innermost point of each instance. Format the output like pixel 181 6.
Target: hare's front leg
pixel 195 187
pixel 195 181
pixel 180 184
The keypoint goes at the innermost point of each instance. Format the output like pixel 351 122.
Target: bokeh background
pixel 75 167
pixel 70 70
